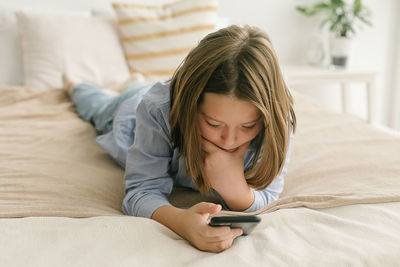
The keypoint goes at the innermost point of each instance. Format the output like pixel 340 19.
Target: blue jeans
pixel 97 107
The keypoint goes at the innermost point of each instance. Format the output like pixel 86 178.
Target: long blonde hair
pixel 238 61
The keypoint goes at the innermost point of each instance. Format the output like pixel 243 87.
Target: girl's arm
pixel 226 174
pixel 147 178
pixel 148 183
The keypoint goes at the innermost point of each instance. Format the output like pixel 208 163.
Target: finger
pixel 219 247
pixel 217 233
pixel 221 233
pixel 226 242
pixel 237 232
pixel 207 208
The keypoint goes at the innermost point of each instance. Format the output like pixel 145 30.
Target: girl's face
pixel 227 121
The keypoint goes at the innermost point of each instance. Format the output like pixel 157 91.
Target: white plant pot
pixel 340 50
pixel 315 51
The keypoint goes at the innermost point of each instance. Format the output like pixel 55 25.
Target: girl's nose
pixel 228 138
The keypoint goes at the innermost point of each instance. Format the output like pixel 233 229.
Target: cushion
pixel 157 38
pixel 11 64
pixel 83 48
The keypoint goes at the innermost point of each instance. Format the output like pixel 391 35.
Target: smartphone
pixel 247 223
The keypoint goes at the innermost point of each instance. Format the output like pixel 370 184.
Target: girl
pixel 224 122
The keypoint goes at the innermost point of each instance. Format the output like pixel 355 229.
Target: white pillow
pixel 83 48
pixel 11 65
pixel 11 72
pixel 156 39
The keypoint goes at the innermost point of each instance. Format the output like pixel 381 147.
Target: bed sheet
pixel 340 204
pixel 353 235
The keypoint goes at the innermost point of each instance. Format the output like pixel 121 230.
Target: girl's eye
pixel 249 127
pixel 212 125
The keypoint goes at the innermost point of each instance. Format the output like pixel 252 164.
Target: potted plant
pixel 342 18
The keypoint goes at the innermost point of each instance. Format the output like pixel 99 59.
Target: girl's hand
pixel 225 173
pixel 223 167
pixel 194 228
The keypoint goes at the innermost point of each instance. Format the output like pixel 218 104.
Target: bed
pixel 61 194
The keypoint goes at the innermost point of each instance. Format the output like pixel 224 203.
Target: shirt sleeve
pixel 147 179
pixel 271 193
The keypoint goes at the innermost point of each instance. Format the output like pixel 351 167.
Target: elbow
pixel 127 207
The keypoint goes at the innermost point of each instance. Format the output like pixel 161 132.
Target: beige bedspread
pixel 364 235
pixel 51 165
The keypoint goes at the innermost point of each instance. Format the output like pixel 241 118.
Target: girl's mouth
pixel 226 150
pixel 229 150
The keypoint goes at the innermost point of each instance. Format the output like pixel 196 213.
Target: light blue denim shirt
pixel 140 142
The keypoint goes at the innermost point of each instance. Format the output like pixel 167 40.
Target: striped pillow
pixel 157 38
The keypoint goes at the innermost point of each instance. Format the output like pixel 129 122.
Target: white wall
pixel 395 81
pixel 291 32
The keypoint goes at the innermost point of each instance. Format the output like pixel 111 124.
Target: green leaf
pixel 340 16
pixel 357 7
pixel 322 6
pixel 306 11
pixel 309 11
pixel 365 21
pixel 337 3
